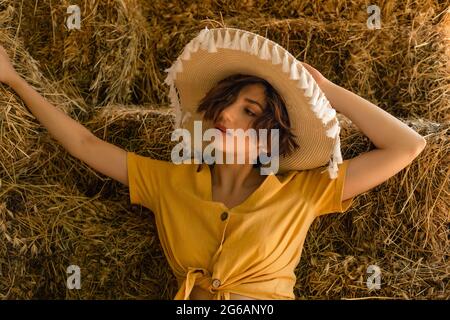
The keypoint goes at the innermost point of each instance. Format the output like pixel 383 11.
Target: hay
pixel 118 56
pixel 400 226
pixel 110 58
pixel 56 211
pixel 20 133
pixel 62 213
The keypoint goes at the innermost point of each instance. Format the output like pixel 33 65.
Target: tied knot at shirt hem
pixel 202 278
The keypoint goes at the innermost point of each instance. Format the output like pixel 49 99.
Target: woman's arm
pixel 74 137
pixel 383 129
pixel 397 145
pixel 68 132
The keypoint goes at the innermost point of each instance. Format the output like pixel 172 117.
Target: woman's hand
pixel 320 79
pixel 7 71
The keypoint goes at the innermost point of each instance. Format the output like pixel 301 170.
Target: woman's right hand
pixel 7 71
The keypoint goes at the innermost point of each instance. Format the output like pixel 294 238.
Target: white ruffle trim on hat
pixel 250 43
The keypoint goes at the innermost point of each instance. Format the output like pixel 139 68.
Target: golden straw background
pixel 55 211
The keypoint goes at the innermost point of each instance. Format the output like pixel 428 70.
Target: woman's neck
pixel 235 176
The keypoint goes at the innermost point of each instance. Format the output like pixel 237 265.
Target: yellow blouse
pixel 251 249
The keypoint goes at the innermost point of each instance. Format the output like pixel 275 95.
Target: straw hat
pixel 215 54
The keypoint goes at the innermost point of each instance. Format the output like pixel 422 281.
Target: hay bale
pixel 60 214
pixel 122 49
pixel 402 67
pixel 114 58
pixel 56 211
pixel 110 58
pixel 21 134
pixel 45 228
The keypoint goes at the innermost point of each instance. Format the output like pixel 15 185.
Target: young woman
pixel 228 231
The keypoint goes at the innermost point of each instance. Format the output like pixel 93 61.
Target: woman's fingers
pixel 318 77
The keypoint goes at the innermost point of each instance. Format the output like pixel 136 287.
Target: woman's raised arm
pixel 68 132
pixel 73 136
pixel 396 144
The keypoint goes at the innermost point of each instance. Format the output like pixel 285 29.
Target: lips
pixel 221 128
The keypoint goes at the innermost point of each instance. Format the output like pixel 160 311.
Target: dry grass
pixel 55 211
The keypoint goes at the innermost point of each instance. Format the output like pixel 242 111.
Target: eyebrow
pixel 254 102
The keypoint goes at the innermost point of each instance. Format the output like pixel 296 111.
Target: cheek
pixel 250 124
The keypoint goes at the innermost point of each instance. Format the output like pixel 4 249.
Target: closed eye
pixel 249 112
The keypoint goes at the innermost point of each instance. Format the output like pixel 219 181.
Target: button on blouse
pixel 224 216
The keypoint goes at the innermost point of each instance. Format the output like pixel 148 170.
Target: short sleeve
pixel 327 193
pixel 146 178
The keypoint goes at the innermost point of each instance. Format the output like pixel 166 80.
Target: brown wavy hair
pixel 274 115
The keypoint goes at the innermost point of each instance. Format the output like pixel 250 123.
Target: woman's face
pixel 241 114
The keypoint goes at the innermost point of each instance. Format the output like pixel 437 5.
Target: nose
pixel 226 116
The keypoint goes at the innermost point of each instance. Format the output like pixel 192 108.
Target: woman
pixel 227 230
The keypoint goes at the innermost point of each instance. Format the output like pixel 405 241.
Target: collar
pixel 280 177
pixel 270 186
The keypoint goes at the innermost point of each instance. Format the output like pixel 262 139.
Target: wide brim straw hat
pixel 215 54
